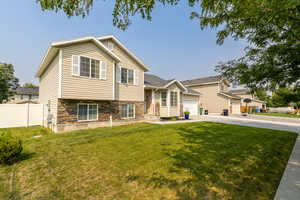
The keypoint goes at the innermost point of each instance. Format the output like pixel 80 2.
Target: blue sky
pixel 172 45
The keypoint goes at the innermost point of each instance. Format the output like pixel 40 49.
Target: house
pixel 216 96
pixel 246 94
pixel 169 98
pixel 24 95
pixel 90 82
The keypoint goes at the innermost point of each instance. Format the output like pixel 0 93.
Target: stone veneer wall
pixel 67 110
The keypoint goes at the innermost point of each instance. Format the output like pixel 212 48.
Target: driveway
pixel 285 125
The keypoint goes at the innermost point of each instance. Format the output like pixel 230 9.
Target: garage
pixel 235 108
pixel 190 105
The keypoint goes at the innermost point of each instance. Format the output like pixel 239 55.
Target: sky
pixel 172 45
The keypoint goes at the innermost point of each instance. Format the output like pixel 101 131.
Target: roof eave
pixel 57 45
pixel 146 68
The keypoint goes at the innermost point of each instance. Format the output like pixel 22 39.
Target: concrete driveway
pixel 284 125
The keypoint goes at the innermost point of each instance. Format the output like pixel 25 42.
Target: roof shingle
pixel 203 80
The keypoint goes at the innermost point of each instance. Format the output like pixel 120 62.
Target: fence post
pixel 27 114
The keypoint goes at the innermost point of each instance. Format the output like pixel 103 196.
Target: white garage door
pixel 191 106
pixel 236 108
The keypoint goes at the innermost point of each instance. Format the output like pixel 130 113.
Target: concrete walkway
pixel 289 187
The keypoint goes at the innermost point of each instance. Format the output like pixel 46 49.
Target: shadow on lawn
pixel 219 166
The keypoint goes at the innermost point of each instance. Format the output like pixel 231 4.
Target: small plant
pixel 10 149
pixel 186 112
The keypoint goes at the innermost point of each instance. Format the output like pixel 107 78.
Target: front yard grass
pixel 280 115
pixel 200 160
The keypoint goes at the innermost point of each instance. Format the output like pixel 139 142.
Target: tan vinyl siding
pixel 48 88
pixel 74 87
pixel 126 92
pixel 191 97
pixel 211 100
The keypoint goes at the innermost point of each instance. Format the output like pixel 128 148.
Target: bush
pixel 10 149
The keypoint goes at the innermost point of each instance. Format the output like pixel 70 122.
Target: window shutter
pixel 118 74
pixel 136 77
pixel 75 65
pixel 103 70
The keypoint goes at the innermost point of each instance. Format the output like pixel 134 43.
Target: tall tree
pixel 8 81
pixel 287 96
pixel 29 85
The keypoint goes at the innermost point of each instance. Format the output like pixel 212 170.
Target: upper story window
pixel 127 76
pixel 163 97
pixel 110 46
pixel 88 67
pixel 174 99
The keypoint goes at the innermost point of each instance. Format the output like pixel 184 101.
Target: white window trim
pixel 110 46
pixel 166 99
pixel 171 99
pixel 90 75
pixel 128 111
pixel 87 120
pixel 134 78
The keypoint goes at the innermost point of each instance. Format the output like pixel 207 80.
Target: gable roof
pixel 153 81
pixel 204 80
pixel 27 91
pixel 125 49
pixel 55 46
pixel 240 91
pixel 229 95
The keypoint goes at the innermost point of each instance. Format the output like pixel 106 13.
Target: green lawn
pixel 280 115
pixel 182 161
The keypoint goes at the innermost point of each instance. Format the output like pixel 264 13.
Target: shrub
pixel 10 149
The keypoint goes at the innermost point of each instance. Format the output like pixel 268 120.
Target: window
pixel 110 46
pixel 87 67
pixel 173 98
pixel 95 68
pixel 130 76
pixel 87 112
pixel 163 96
pixel 128 111
pixel 123 75
pixel 127 76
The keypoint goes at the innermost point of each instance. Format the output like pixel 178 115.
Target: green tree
pixel 263 96
pixel 288 96
pixel 29 85
pixel 8 81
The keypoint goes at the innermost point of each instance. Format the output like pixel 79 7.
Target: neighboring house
pixel 245 94
pixel 169 98
pixel 216 96
pixel 87 81
pixel 25 95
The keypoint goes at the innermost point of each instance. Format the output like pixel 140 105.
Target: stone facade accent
pixel 67 110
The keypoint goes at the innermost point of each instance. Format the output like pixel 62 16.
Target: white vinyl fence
pixel 16 115
pixel 281 110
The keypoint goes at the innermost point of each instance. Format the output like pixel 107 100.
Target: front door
pixel 148 101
